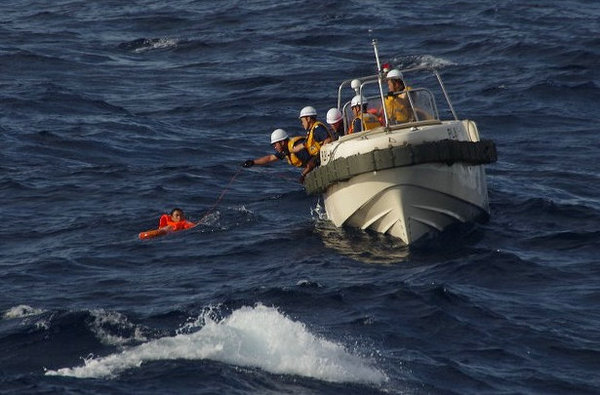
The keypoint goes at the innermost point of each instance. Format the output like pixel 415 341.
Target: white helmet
pixel 358 100
pixel 334 116
pixel 308 111
pixel 394 74
pixel 278 135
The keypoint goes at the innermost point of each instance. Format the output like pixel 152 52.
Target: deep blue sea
pixel 114 112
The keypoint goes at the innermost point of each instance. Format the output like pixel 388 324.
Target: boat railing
pixel 362 80
pixel 421 100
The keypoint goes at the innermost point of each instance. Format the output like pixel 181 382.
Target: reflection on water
pixel 363 246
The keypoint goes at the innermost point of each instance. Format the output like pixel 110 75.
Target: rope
pixel 227 188
pixel 220 197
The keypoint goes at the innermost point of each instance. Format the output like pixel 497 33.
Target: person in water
pixel 175 221
pixel 288 148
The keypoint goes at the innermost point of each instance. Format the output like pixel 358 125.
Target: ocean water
pixel 112 113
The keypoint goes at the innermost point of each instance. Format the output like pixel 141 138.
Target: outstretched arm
pixel 263 160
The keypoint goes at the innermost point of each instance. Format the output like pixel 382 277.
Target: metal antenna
pixel 380 80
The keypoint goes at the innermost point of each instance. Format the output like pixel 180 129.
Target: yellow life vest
pixel 312 146
pixel 368 120
pixel 398 107
pixel 292 158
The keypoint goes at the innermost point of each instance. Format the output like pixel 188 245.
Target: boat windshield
pixel 416 103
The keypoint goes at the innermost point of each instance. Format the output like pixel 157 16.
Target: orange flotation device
pixel 149 234
pixel 166 225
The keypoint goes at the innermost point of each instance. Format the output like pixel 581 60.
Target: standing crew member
pixel 396 103
pixel 363 120
pixel 288 148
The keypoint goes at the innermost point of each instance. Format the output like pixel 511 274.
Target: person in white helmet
pixel 317 133
pixel 396 103
pixel 335 120
pixel 290 148
pixel 363 120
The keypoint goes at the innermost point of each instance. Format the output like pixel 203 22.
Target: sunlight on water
pixel 258 336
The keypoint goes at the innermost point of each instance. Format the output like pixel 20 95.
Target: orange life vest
pixel 165 220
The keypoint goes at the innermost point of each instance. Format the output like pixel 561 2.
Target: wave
pixel 148 44
pixel 51 98
pixel 109 328
pixel 259 336
pixel 113 328
pixel 21 311
pixel 32 60
pixel 421 60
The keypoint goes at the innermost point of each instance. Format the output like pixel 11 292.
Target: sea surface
pixel 114 112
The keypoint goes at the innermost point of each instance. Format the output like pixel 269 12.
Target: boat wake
pixel 259 336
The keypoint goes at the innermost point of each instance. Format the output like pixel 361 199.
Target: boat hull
pixel 408 202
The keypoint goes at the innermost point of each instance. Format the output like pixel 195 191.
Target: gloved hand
pixel 248 163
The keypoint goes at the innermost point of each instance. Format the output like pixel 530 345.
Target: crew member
pixel 363 120
pixel 396 103
pixel 335 120
pixel 317 133
pixel 288 148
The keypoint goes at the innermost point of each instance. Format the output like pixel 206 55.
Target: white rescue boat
pixel 406 179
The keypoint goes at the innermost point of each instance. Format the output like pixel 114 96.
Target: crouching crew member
pixel 288 148
pixel 317 133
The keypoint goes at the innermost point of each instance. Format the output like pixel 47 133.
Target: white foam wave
pixel 257 336
pixel 429 60
pixel 161 43
pixel 106 323
pixel 210 218
pixel 21 311
pixel 318 213
pixel 421 60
